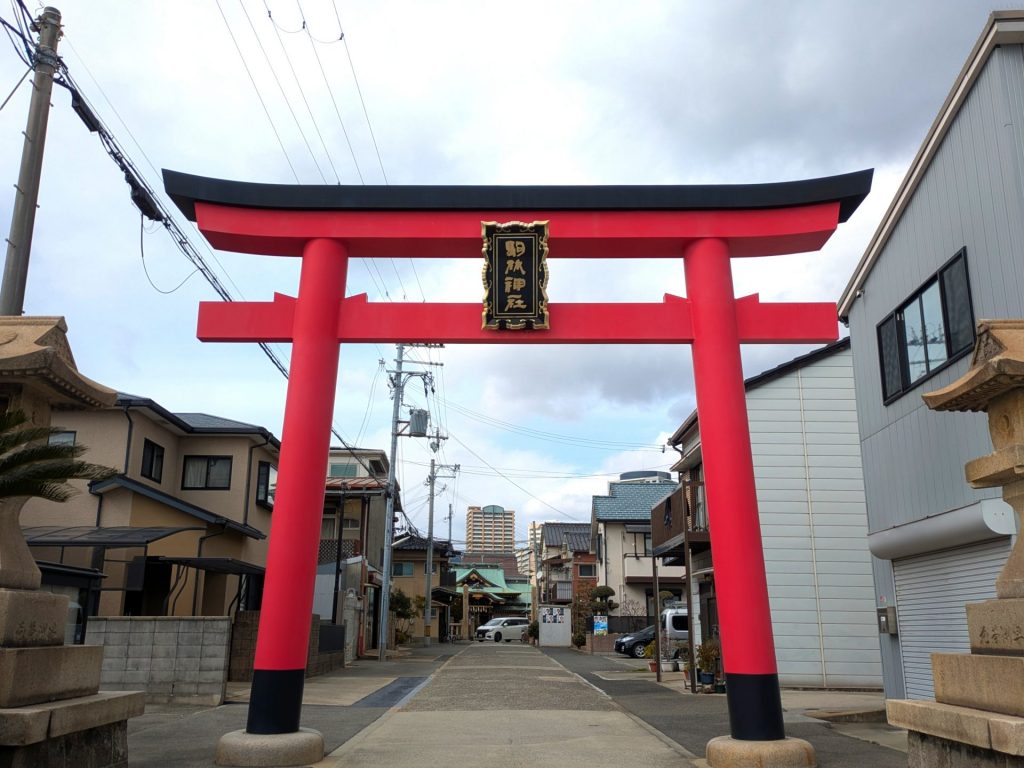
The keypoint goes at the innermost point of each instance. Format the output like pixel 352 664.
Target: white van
pixel 675 623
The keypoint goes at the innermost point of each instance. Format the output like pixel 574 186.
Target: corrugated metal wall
pixel 971 195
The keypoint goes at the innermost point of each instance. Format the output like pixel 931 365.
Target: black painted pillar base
pixel 275 701
pixel 755 707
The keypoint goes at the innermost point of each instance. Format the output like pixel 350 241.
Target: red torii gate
pixel 704 225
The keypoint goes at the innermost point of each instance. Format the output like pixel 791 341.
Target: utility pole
pixel 19 240
pixel 398 380
pixel 431 481
pixel 389 515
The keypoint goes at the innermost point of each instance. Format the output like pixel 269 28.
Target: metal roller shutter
pixel 931 590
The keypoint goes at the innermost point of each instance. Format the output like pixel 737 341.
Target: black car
pixel 633 643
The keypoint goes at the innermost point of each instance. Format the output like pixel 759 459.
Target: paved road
pixel 504 706
pixel 693 720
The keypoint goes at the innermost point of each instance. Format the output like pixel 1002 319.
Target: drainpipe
pixel 248 480
pixel 199 553
pixel 128 442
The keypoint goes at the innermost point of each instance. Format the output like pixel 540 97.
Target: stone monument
pixel 52 714
pixel 977 718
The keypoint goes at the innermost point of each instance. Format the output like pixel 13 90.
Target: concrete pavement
pixel 507 706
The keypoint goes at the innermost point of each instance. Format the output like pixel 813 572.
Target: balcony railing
pixel 559 592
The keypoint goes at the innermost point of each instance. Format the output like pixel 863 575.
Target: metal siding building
pixel 810 495
pixel 938 545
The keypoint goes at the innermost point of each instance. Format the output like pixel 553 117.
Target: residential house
pixel 409 574
pixel 620 537
pixel 946 253
pixel 810 496
pixel 351 552
pixel 567 564
pixel 182 528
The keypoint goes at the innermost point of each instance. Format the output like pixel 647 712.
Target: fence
pixel 620 625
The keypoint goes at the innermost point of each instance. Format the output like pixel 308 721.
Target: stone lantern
pixel 977 718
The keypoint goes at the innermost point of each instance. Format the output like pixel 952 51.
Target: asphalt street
pixel 693 720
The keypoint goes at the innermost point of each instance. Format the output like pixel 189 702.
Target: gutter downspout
pixel 199 553
pixel 248 480
pixel 128 442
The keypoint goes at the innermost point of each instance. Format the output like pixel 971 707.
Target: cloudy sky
pixel 607 93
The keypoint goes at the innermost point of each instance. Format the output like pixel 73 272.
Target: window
pixel 401 569
pixel 433 568
pixel 152 460
pixel 647 545
pixel 931 329
pixel 350 522
pixel 206 473
pixel 327 525
pixel 62 438
pixel 588 571
pixel 266 484
pixel 342 470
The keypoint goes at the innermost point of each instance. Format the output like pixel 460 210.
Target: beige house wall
pixel 105 433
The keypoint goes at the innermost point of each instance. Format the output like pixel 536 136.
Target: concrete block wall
pixel 172 659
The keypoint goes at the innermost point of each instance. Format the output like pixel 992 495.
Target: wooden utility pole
pixel 19 240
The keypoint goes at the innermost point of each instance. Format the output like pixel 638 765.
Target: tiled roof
pixel 578 541
pixel 630 502
pixel 206 421
pixel 555 533
pixel 411 542
pixel 495 576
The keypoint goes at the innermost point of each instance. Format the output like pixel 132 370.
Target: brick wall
pixel 182 660
pixel 243 649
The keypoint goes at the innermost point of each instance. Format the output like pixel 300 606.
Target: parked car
pixel 633 643
pixel 507 628
pixel 675 623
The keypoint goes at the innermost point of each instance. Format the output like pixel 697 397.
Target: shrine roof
pixel 847 189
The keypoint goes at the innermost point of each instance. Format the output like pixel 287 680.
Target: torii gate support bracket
pixel 705 226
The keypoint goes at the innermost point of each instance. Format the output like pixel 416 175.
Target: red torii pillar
pixel 707 226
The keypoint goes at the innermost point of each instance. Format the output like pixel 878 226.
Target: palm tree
pixel 31 466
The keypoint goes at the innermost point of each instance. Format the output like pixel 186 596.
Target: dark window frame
pixel 896 317
pixel 59 433
pixel 592 566
pixel 206 486
pixel 263 484
pixel 152 453
pixel 405 565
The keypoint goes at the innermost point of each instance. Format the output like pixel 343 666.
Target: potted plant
pixel 707 654
pixel 652 663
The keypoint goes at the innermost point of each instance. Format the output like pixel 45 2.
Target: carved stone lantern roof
pixel 997 367
pixel 34 351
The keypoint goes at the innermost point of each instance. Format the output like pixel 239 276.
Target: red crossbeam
pixel 667 322
pixel 572 234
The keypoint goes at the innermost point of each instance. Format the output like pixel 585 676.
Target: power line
pixel 302 93
pixel 553 437
pixel 15 88
pixel 513 482
pixel 280 87
pixel 258 94
pixel 359 90
pixel 330 91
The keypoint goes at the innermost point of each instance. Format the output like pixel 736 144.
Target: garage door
pixel 931 590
